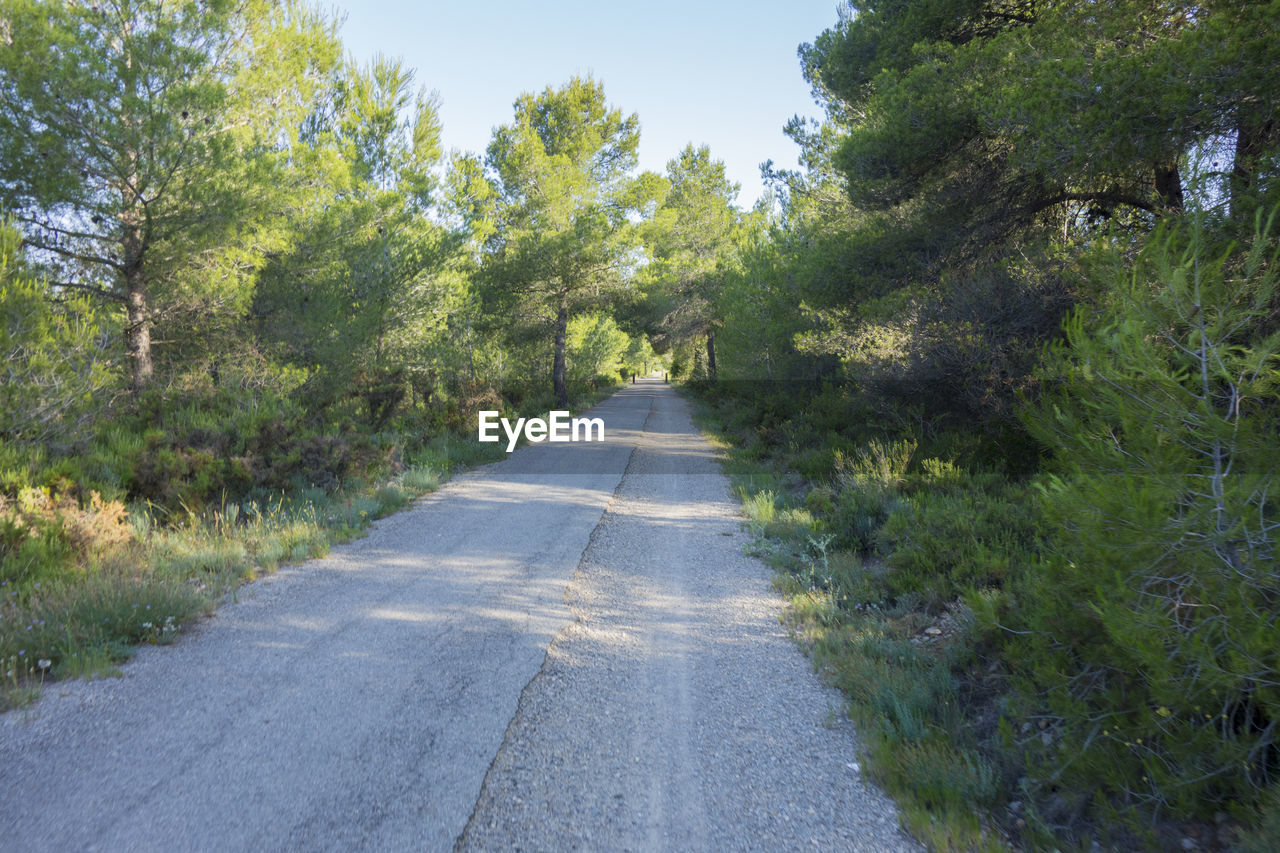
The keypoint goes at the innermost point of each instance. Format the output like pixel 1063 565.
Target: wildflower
pixel 44 663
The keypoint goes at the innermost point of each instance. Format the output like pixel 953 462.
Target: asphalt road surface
pixel 566 650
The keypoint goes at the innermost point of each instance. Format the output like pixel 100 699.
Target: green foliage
pixel 140 147
pixel 44 535
pixel 1266 835
pixel 1151 622
pixel 207 447
pixel 595 347
pixel 691 240
pixel 363 297
pixel 867 484
pixel 308 316
pixel 943 541
pixel 100 617
pixel 941 776
pixel 558 215
pixel 975 148
pixel 912 699
pixel 55 368
pixel 986 171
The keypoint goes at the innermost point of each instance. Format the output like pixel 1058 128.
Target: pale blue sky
pixel 720 73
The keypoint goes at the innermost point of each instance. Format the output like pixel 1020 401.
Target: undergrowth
pixel 915 570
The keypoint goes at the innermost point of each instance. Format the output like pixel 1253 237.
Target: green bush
pixel 858 515
pixel 204 447
pixel 1265 836
pixel 939 775
pixel 869 482
pixel 812 462
pixel 45 536
pixel 938 544
pixel 1149 629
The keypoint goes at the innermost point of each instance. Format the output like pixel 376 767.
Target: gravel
pixel 676 713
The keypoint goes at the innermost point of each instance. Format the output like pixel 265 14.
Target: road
pixel 563 650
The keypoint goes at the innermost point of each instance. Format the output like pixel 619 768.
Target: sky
pixel 724 74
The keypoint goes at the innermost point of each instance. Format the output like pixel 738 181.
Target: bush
pixel 1150 625
pixel 203 448
pixel 940 543
pixel 869 481
pixel 940 775
pixel 45 536
pixel 858 514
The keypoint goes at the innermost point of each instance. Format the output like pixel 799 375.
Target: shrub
pixel 940 543
pixel 858 514
pixel 869 481
pixel 939 775
pixel 204 447
pixel 1151 623
pixel 44 536
pixel 878 463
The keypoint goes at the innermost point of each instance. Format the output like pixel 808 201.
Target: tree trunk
pixel 1169 186
pixel 1252 139
pixel 471 355
pixel 135 239
pixel 711 354
pixel 137 332
pixel 557 368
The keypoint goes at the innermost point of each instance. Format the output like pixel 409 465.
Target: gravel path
pixel 676 714
pixel 498 667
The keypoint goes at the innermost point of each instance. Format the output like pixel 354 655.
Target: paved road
pixel 565 650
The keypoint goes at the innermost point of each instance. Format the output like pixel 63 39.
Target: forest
pixel 997 367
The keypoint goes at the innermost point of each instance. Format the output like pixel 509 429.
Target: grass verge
pixel 894 655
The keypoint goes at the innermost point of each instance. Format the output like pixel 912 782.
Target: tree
pixel 363 291
pixel 562 236
pixel 984 141
pixel 54 364
pixel 138 141
pixel 691 240
pixel 596 347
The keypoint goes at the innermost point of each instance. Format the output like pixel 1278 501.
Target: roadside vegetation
pixel 1001 388
pixel 88 580
pixel 1020 675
